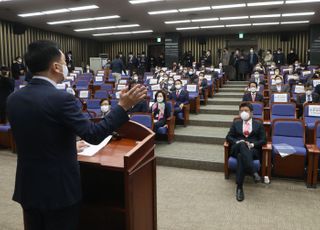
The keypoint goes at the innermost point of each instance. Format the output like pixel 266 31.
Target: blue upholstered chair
pixel 93 105
pixel 145 119
pixel 258 108
pixel 82 84
pixel 283 110
pixel 101 94
pixel 310 119
pixel 288 148
pixel 6 138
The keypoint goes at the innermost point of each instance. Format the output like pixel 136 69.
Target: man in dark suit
pixel 132 63
pixel 253 59
pixel 278 57
pixel 208 61
pixel 308 97
pixel 180 96
pixel 253 94
pixel 6 88
pixel 17 68
pixel 246 137
pixel 45 122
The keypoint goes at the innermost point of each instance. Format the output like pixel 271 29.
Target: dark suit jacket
pixel 182 99
pixel 117 66
pixel 45 122
pixel 248 97
pixel 284 89
pixel 301 99
pixel 257 136
pixel 141 107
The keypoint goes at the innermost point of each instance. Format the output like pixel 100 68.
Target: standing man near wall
pixel 45 122
pixel 117 67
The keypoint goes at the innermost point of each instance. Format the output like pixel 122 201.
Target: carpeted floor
pixel 202 200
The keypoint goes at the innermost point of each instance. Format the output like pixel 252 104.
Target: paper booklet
pixel 93 149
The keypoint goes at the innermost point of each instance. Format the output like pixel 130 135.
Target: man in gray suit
pixel 279 87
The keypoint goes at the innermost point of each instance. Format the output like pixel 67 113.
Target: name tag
pixel 121 87
pixel 153 81
pixel 61 86
pixel 208 77
pixel 184 82
pixel 177 77
pixel 192 88
pixel 155 87
pixel 71 78
pixel 123 81
pixel 217 70
pixel 100 72
pixel 299 89
pixel 149 77
pixel 315 82
pixel 99 78
pixel 277 97
pixel 314 110
pixel 306 73
pixel 84 94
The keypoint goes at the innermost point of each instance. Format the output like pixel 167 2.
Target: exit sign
pixel 241 35
pixel 159 39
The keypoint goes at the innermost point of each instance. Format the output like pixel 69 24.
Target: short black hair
pixel 163 94
pixel 178 80
pixel 278 76
pixel 253 82
pixel 104 99
pixel 308 84
pixel 246 104
pixel 40 54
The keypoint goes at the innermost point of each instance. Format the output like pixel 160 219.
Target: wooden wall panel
pixel 12 45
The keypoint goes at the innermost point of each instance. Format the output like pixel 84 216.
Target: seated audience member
pixel 168 86
pixel 105 107
pixel 315 76
pixel 6 88
pixel 203 83
pixel 180 96
pixel 253 94
pixel 256 78
pixel 160 74
pixel 88 70
pixel 246 138
pixel 308 97
pixel 135 78
pixel 192 77
pixel 279 87
pixel 268 58
pixel 161 110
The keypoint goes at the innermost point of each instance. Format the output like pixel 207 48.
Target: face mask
pixel 159 99
pixel 251 51
pixel 291 52
pixel 19 60
pixel 170 82
pixel 161 74
pixel 65 70
pixel 244 116
pixel 256 75
pixel 190 73
pixel 136 78
pixel 200 78
pixel 278 81
pixel 279 52
pixel 296 64
pixel 253 89
pixel 309 92
pixel 268 53
pixel 178 87
pixel 185 71
pixel 105 108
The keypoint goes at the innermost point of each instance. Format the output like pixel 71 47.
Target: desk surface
pixel 112 155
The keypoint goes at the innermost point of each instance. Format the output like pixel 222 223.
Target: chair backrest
pixel 258 108
pixel 108 87
pixel 311 110
pixel 280 97
pixel 93 104
pixel 283 110
pixel 114 102
pixel 143 118
pixel 100 94
pixel 317 134
pixel 288 131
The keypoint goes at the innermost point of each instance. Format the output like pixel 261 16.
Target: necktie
pixel 253 97
pixel 246 129
pixel 309 98
pixel 178 93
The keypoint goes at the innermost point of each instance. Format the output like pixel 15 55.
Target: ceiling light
pixel 177 22
pixel 58 11
pixel 188 28
pixel 294 22
pixel 163 12
pixel 84 8
pixel 265 3
pixel 298 14
pixel 301 1
pixel 205 19
pixel 265 23
pixel 238 25
pixel 195 9
pixel 144 1
pixel 122 33
pixel 233 18
pixel 266 16
pixel 83 20
pixel 107 27
pixel 228 6
pixel 211 27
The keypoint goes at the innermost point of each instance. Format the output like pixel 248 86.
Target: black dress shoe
pixel 239 194
pixel 256 178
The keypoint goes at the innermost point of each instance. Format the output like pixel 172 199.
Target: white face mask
pixel 170 82
pixel 309 92
pixel 190 73
pixel 244 116
pixel 105 108
pixel 178 87
pixel 201 78
pixel 251 51
pixel 65 70
pixel 256 75
pixel 278 81
pixel 159 99
pixel 253 89
pixel 135 78
pixel 161 74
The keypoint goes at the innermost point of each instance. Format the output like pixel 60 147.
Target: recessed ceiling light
pixel 83 20
pixel 266 16
pixel 144 1
pixel 301 1
pixel 238 25
pixel 265 3
pixel 177 22
pixel 211 27
pixel 195 9
pixel 58 11
pixel 188 28
pixel 228 6
pixel 294 22
pixel 265 23
pixel 122 33
pixel 234 18
pixel 205 19
pixel 298 14
pixel 106 27
pixel 163 12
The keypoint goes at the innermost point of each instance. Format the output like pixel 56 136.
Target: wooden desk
pixel 119 183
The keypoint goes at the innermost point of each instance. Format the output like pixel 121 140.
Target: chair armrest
pixel 312 148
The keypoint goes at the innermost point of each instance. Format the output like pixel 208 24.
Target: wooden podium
pixel 119 183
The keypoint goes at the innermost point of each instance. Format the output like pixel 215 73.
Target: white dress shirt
pixel 244 125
